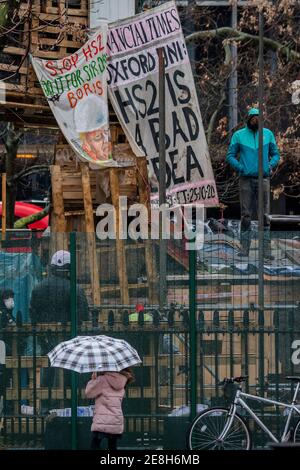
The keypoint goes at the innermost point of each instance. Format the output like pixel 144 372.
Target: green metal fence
pixel 209 328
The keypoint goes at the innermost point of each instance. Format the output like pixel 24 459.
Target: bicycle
pixel 224 429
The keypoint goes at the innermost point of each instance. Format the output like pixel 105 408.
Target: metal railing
pixel 187 347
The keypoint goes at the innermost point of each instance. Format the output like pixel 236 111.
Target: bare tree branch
pixel 214 117
pixel 30 171
pixel 239 36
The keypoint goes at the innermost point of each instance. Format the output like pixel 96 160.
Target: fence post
pixel 73 285
pixel 261 364
pixel 3 207
pixel 193 332
pixel 216 333
pixel 245 346
pixel 162 178
pixel 261 351
pixel 201 326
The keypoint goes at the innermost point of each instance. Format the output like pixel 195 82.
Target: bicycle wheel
pixel 297 432
pixel 206 428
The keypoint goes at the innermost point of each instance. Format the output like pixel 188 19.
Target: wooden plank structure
pixel 76 192
pixel 49 29
pixel 90 231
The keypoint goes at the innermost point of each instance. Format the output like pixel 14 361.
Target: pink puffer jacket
pixel 108 390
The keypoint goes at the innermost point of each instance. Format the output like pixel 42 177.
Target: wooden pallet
pixel 52 30
pixel 77 192
pixel 59 29
pixel 69 213
pixel 70 176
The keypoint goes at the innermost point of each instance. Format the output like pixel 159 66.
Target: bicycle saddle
pixel 294 378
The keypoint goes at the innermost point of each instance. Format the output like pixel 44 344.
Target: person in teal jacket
pixel 242 156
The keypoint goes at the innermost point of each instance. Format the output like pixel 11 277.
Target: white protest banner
pixel 133 90
pixel 76 90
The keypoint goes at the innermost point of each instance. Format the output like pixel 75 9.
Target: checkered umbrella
pixel 94 353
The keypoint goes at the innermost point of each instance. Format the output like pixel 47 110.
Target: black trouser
pixel 97 437
pixel 249 209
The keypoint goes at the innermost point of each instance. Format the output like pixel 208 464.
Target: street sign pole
pixel 261 169
pixel 162 179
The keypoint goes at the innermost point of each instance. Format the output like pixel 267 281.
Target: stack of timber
pixel 77 191
pixel 49 29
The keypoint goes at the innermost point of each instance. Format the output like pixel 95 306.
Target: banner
pixel 76 90
pixel 133 90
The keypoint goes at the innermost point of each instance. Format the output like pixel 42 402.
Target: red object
pixel 24 209
pixel 139 308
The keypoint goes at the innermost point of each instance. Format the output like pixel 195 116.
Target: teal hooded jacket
pixel 244 143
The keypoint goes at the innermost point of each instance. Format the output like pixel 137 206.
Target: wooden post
pixel 144 193
pixel 2 363
pixel 162 176
pixel 98 176
pixel 90 233
pixel 3 206
pixel 15 375
pixel 58 220
pixel 120 249
pixel 57 198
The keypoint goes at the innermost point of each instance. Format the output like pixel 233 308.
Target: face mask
pixel 9 303
pixel 253 127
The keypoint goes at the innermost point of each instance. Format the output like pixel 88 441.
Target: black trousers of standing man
pixel 249 210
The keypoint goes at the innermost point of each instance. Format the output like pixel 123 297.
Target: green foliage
pixel 3 14
pixel 7 10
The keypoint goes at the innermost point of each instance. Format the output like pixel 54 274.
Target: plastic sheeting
pixel 20 272
pixel 219 254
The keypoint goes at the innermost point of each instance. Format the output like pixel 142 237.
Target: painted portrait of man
pixel 91 124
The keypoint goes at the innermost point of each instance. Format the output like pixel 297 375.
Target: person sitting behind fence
pixel 7 319
pixel 7 304
pixel 51 299
pixel 165 347
pixel 140 312
pixel 51 303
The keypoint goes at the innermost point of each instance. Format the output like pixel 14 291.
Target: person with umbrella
pixel 108 390
pixel 110 360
